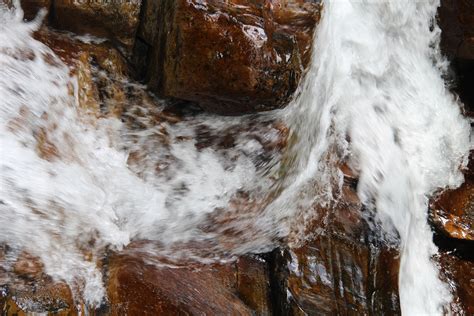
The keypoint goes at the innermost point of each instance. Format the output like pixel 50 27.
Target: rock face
pixel 452 214
pixel 453 211
pixel 240 288
pixel 229 56
pixel 32 7
pixel 456 19
pixel 114 20
pixel 461 274
pixel 341 271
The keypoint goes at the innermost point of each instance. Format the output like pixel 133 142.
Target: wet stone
pixel 453 211
pixel 230 57
pixel 140 285
pixel 114 20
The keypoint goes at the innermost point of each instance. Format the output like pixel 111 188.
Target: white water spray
pixel 375 90
pixel 68 193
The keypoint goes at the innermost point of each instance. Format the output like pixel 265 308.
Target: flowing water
pixel 373 97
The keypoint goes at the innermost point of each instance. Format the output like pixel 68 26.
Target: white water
pixel 85 197
pixel 375 80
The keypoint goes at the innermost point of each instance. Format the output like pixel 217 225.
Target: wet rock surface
pixel 26 288
pixel 456 19
pixel 452 217
pixel 114 20
pixel 137 286
pixel 457 269
pixel 453 210
pixel 230 57
pixel 341 271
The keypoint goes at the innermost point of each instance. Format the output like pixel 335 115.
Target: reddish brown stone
pixel 42 297
pixel 253 284
pixel 459 274
pixel 114 20
pixel 230 56
pixel 135 287
pixel 30 7
pixel 453 210
pixel 27 265
pixel 342 270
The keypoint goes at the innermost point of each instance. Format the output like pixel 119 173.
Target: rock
pixel 135 287
pixel 453 211
pixel 458 273
pixel 32 7
pixel 25 288
pixel 456 19
pixel 114 20
pixel 342 270
pixel 98 67
pixel 44 296
pixel 231 57
pixel 253 284
pixel 28 266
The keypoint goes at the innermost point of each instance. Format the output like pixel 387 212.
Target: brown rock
pixel 32 7
pixel 342 270
pixel 114 20
pixel 42 297
pixel 135 287
pixel 99 68
pixel 25 288
pixel 229 56
pixel 253 284
pixel 27 265
pixel 453 211
pixel 459 274
pixel 456 19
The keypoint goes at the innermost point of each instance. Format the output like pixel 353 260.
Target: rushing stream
pixel 374 97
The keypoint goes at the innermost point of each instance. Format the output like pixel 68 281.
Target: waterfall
pixel 374 97
pixel 376 93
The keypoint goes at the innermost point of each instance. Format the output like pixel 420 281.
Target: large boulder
pixel 140 285
pixel 229 56
pixel 343 270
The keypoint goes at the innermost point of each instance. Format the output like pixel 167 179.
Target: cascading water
pixel 374 97
pixel 376 91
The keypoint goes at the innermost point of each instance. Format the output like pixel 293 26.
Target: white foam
pixel 376 80
pixel 84 197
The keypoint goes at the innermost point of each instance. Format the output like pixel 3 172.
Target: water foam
pixel 375 95
pixel 67 191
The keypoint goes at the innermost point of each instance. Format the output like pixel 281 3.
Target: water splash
pixel 375 96
pixel 69 189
